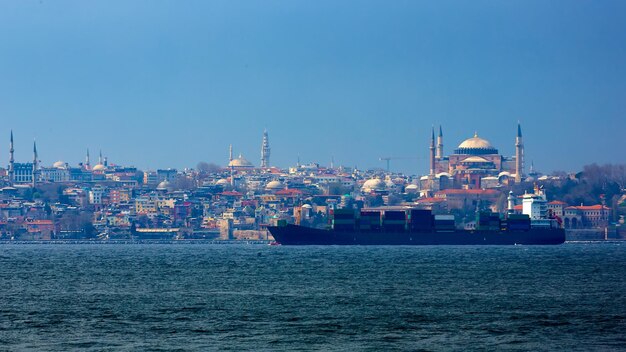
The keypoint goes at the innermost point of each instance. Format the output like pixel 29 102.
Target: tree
pixel 142 221
pixel 75 221
pixel 207 168
pixel 374 201
pixel 336 188
pixel 394 199
pixel 50 192
pixel 138 177
pixel 182 183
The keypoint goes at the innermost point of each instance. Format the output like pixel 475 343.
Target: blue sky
pixel 170 83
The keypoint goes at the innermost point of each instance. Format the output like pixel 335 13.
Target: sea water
pixel 257 297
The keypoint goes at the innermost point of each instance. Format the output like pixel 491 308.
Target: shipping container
pixel 370 220
pixel 444 217
pixel 395 215
pixel 344 221
pixel 517 216
pixel 343 214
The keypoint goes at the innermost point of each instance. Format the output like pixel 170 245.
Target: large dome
pixel 374 184
pixel 59 164
pixel 476 145
pixel 411 188
pixel 163 186
pixel 240 162
pixel 99 167
pixel 222 182
pixel 274 185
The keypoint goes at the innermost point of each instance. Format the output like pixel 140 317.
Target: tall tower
pixel 35 164
pixel 100 157
pixel 87 160
pixel 519 155
pixel 11 161
pixel 265 151
pixel 230 164
pixel 432 153
pixel 440 144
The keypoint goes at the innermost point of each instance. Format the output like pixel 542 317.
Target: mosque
pixel 240 163
pixel 475 164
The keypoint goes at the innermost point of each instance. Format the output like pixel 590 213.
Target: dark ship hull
pixel 300 235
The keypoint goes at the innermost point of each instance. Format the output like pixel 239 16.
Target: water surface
pixel 257 297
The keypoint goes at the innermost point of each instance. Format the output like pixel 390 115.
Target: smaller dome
pixel 411 187
pixel 443 174
pixel 163 186
pixel 59 164
pixel 399 181
pixel 274 185
pixel 504 173
pixel 474 159
pixel 99 167
pixel 306 206
pixel 222 182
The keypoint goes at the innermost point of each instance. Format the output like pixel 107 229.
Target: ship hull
pixel 300 235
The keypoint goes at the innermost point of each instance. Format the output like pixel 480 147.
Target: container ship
pixel 393 226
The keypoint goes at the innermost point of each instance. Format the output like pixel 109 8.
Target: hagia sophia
pixel 475 164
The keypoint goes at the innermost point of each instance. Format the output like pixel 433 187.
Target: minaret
pixel 519 155
pixel 35 163
pixel 100 157
pixel 265 151
pixel 87 166
pixel 230 163
pixel 440 144
pixel 11 161
pixel 432 153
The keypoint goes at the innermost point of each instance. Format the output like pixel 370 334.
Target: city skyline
pixel 163 85
pixel 263 162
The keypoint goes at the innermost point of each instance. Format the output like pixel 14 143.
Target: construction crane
pixel 389 158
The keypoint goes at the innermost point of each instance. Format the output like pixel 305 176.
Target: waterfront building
pixel 166 175
pixel 95 195
pixel 80 174
pixel 22 173
pixel 586 216
pixel 59 172
pixel 557 208
pixel 150 178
